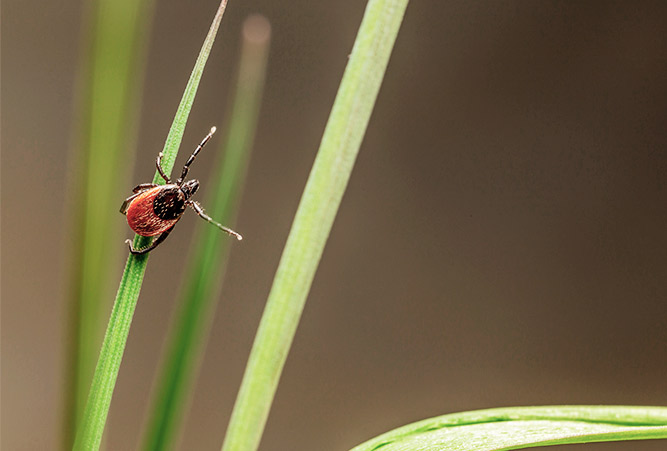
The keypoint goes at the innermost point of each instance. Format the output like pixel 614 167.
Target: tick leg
pixel 200 211
pixel 127 202
pixel 186 166
pixel 152 246
pixel 143 187
pixel 137 190
pixel 158 164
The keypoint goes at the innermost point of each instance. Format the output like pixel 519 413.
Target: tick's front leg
pixel 200 211
pixel 158 164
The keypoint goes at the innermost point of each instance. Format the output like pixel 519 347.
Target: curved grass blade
pixel 90 430
pixel 313 221
pixel 524 427
pixel 111 69
pixel 206 269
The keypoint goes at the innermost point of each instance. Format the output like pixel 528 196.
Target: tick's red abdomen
pixel 141 217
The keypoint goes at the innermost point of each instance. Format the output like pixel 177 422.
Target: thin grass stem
pixel 206 267
pixel 313 221
pixel 91 428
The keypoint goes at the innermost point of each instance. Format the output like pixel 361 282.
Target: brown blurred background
pixel 502 240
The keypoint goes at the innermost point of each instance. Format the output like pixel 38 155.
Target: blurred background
pixel 501 242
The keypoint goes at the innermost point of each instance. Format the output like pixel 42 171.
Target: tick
pixel 155 209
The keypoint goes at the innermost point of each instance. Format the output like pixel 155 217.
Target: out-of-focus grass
pixel 110 73
pixel 91 426
pixel 314 218
pixel 206 267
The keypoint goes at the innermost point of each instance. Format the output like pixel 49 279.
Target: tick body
pixel 154 210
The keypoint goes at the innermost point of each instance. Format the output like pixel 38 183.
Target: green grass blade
pixel 207 265
pixel 524 427
pixel 110 72
pixel 331 171
pixel 89 433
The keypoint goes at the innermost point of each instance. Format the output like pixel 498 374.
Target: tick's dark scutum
pixel 169 203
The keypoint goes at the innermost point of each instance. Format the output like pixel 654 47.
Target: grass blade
pixel 207 265
pixel 90 430
pixel 314 219
pixel 524 427
pixel 110 71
